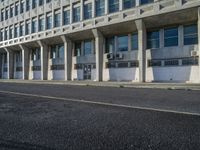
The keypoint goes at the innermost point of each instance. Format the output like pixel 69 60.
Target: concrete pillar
pixel 99 46
pixel 81 10
pixel 120 4
pixel 44 60
pixel 25 62
pixel 67 57
pixel 10 63
pixel 141 49
pixel 106 8
pixel 93 9
pixel 198 25
pixel 180 36
pixel 137 2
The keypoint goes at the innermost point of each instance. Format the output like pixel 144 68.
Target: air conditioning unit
pixel 194 53
pixel 110 56
pixel 119 56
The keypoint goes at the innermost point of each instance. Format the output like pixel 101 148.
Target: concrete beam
pixel 10 63
pixel 44 60
pixel 25 62
pixel 67 57
pixel 99 47
pixel 141 49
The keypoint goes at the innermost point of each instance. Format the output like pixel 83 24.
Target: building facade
pixel 100 40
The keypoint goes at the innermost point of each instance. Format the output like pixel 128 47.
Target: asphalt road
pixel 61 117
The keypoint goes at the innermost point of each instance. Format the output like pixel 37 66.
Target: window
pixel 49 21
pixel 77 51
pixel 57 51
pixel 48 1
pixel 128 4
pixel 146 1
pixel 34 4
pixel 87 47
pixel 110 45
pixel 190 61
pixel 34 26
pixel 6 34
pixel 171 37
pixel 1 35
pixel 41 2
pixel 154 63
pixel 41 24
pixel 22 7
pixel 28 27
pixel 190 35
pixel 66 17
pixel 172 62
pixel 11 33
pixel 36 54
pixel 2 15
pixel 18 56
pixel 76 14
pixel 57 20
pixel 122 43
pixel 16 32
pixel 88 11
pixel 153 39
pixel 100 7
pixel 134 41
pixel 16 9
pixel 28 5
pixel 21 30
pixel 113 6
pixel 6 14
pixel 11 11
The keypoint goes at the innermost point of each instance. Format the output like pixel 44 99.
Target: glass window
pixel 110 45
pixel 41 24
pixel 171 37
pixel 57 51
pixel 122 43
pixel 76 14
pixel 11 33
pixel 60 51
pixel 28 28
pixel 134 41
pixel 128 4
pixel 34 4
pixel 153 39
pixel 16 9
pixel 57 20
pixel 36 54
pixel 49 22
pixel 77 51
pixel 11 12
pixel 34 26
pixel 18 56
pixel 100 7
pixel 113 6
pixel 27 5
pixel 87 47
pixel 88 11
pixel 190 34
pixel 146 1
pixel 16 32
pixel 66 16
pixel 41 2
pixel 22 7
pixel 21 30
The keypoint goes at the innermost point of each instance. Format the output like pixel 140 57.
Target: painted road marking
pixel 101 103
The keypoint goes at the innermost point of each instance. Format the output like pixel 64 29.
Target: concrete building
pixel 100 40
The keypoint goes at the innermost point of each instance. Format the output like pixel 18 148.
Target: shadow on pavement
pixel 8 144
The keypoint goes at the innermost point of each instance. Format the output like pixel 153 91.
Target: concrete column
pixel 161 38
pixel 198 25
pixel 99 46
pixel 44 60
pixel 25 62
pixel 93 9
pixel 137 2
pixel 141 49
pixel 10 63
pixel 106 7
pixel 67 57
pixel 120 4
pixel 81 10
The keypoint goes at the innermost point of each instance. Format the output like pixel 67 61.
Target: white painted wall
pixel 121 74
pixel 173 74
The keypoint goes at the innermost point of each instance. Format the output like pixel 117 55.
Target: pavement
pixel 73 117
pixel 149 85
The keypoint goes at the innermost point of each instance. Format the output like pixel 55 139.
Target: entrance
pixel 87 72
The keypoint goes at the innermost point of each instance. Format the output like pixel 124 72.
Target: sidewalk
pixel 169 86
